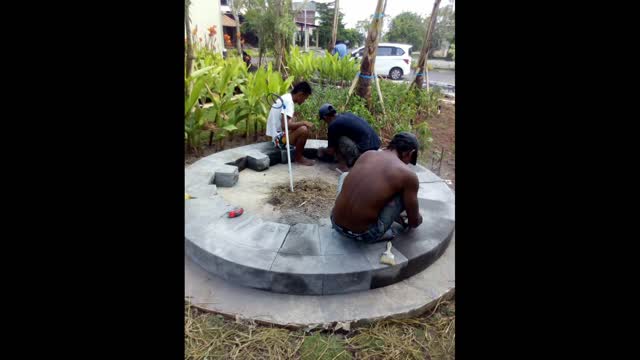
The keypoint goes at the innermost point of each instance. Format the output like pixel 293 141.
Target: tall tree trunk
pixel 260 55
pixel 426 46
pixel 255 130
pixel 190 57
pixel 369 57
pixel 235 15
pixel 278 38
pixel 334 30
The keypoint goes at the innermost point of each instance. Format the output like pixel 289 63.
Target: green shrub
pixel 233 96
pixel 325 68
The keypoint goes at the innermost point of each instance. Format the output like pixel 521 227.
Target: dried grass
pixel 430 336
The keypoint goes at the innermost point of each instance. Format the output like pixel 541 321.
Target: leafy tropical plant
pixel 194 121
pixel 221 86
pixel 216 86
pixel 301 66
pixel 253 107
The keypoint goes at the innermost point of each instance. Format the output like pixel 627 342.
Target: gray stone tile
pixel 297 274
pixel 425 238
pixel 345 273
pixel 231 155
pixel 257 161
pixel 437 208
pixel 199 175
pixel 205 259
pixel 302 239
pixel 226 175
pixel 418 168
pixel 200 213
pixel 427 177
pixel 332 243
pixel 436 191
pixel 315 144
pixel 201 190
pixel 251 231
pixel 245 265
pixel 382 274
pixel 204 164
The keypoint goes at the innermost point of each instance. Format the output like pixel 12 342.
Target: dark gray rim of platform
pixel 407 298
pixel 305 259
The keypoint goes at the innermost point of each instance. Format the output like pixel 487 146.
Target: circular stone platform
pixel 257 250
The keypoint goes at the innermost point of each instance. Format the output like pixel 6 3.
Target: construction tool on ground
pixel 235 213
pixel 387 257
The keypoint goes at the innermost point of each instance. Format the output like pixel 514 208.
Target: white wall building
pixel 204 14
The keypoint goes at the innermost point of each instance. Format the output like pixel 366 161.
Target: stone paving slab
pixel 228 262
pixel 382 274
pixel 226 175
pixel 436 191
pixel 250 231
pixel 198 176
pixel 201 190
pixel 297 274
pixel 200 213
pixel 332 243
pixel 302 239
pixel 257 160
pixel 346 273
pixel 428 177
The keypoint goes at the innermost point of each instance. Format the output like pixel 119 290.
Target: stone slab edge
pixel 447 263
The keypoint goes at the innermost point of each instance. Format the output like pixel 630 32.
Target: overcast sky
pixel 355 10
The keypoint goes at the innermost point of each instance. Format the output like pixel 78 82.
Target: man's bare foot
pixel 305 161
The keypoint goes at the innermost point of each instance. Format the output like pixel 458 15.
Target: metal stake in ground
pixel 275 98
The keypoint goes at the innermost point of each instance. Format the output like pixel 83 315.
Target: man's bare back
pixel 373 181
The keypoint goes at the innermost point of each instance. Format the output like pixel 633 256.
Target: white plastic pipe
pixel 286 132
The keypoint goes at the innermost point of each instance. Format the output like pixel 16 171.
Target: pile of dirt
pixel 311 200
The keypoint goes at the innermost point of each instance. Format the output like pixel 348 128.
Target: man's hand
pixel 308 124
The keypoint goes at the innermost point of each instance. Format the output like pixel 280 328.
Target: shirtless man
pixel 298 130
pixel 379 187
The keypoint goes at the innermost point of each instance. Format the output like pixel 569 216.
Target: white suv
pixel 391 59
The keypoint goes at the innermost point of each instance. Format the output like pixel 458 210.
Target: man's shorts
pixel 348 150
pixel 280 140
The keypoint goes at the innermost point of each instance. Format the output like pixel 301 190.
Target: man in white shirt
pixel 298 131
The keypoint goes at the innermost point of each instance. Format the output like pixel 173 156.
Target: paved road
pixel 435 75
pixel 445 76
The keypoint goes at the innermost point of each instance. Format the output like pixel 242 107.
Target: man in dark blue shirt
pixel 349 136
